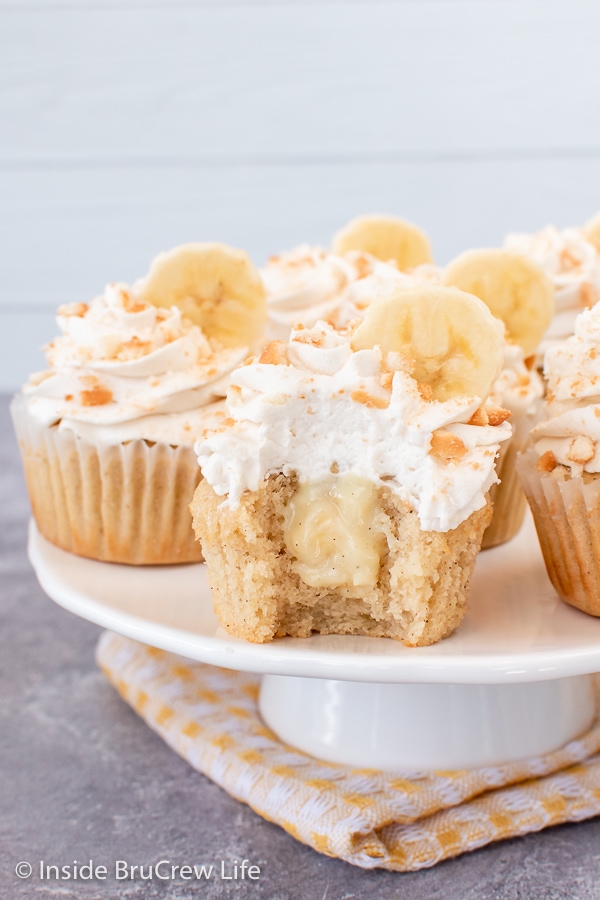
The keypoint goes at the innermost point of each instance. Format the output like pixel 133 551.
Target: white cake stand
pixel 513 681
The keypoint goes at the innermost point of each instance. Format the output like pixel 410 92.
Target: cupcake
pixel 107 432
pixel 311 284
pixel 572 263
pixel 591 231
pixel 519 389
pixel 560 469
pixel 375 280
pixel 519 293
pixel 303 286
pixel 347 491
pixel 387 238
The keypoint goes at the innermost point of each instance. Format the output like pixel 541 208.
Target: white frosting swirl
pixel 328 404
pixel 308 285
pixel 573 265
pixel 517 388
pixel 571 429
pixel 129 370
pixel 303 285
pixel 377 280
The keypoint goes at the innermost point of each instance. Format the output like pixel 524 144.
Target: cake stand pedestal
pixel 512 682
pixel 425 726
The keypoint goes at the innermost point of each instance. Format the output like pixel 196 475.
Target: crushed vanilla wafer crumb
pixel 547 462
pixel 274 354
pixel 425 391
pixel 73 309
pixel 447 447
pixel 489 415
pixel 96 396
pixel 369 400
pixel 581 450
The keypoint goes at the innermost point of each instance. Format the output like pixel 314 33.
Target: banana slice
pixel 453 339
pixel 215 286
pixel 387 238
pixel 513 286
pixel 591 231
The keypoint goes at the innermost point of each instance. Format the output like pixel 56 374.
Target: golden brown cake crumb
pixel 447 447
pixel 419 598
pixel 425 391
pixel 582 449
pixel 547 462
pixel 274 354
pixel 369 400
pixel 489 415
pixel 96 396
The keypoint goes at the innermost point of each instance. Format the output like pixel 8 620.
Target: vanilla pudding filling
pixel 124 370
pixel 330 532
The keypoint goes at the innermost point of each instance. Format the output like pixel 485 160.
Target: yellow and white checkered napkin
pixel 400 821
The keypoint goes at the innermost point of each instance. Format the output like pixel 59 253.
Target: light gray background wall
pixel 127 128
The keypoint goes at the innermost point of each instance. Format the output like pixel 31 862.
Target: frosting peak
pixel 121 362
pixel 309 284
pixel 303 285
pixel 573 408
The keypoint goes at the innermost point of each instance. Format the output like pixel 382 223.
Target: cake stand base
pixel 425 726
pixel 513 681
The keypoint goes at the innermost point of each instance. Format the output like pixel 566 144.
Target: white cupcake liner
pixel 566 512
pixel 508 499
pixel 127 502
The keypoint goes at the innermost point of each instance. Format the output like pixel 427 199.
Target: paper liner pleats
pixel 508 498
pixel 566 512
pixel 126 503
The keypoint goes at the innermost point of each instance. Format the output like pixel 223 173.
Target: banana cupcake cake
pixel 107 432
pixel 347 491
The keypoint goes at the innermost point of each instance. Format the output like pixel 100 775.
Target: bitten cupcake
pixel 107 432
pixel 561 469
pixel 347 490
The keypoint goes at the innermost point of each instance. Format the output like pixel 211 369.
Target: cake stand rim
pixel 299 657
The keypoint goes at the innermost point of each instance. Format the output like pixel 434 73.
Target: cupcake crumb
pixel 274 354
pixel 547 462
pixel 447 447
pixel 369 400
pixel 73 309
pixel 96 396
pixel 385 380
pixel 425 391
pixel 581 450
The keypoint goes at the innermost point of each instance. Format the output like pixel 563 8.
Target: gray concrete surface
pixel 82 777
